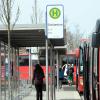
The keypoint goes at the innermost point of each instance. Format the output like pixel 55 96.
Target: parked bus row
pixel 89 66
pixel 86 74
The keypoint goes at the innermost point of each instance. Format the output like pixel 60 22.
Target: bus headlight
pixel 81 81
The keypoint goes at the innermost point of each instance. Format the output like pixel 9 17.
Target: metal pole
pixel 31 70
pixel 47 85
pixel 29 63
pixel 5 68
pixel 18 73
pixel 54 94
pixel 30 67
pixel 51 73
pixel 14 70
pixel 6 51
pixel 11 64
pixel 57 71
pixel 0 71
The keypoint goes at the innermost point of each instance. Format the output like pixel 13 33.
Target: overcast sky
pixel 83 13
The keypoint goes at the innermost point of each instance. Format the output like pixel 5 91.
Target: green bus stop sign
pixel 55 13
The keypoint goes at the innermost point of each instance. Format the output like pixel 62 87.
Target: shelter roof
pixel 28 36
pixel 60 49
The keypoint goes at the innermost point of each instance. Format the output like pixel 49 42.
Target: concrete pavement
pixel 65 93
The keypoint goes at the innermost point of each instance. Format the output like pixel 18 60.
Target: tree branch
pixel 16 19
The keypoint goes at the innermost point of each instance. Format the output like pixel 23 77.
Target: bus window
pixel 81 70
pixel 81 63
pixel 71 60
pixel 94 74
pixel 24 60
pixel 95 61
pixel 95 68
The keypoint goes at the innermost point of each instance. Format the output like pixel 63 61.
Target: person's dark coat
pixel 38 81
pixel 38 75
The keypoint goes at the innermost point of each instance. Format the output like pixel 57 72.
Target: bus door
pixel 95 74
pixel 86 71
pixel 96 63
pixel 77 72
pixel 98 83
pixel 98 74
pixel 80 73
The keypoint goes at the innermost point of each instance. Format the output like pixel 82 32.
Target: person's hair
pixel 60 69
pixel 37 65
pixel 38 68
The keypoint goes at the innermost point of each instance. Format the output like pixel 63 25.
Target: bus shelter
pixel 26 36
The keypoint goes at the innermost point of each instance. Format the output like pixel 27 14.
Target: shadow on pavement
pixel 69 88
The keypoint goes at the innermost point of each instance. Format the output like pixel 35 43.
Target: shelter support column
pixel 29 64
pixel 60 60
pixel 57 70
pixel 54 94
pixel 5 72
pixel 51 74
pixel 18 73
pixel 47 83
pixel 15 71
pixel 0 71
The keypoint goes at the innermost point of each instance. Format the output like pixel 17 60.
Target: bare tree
pixel 36 17
pixel 6 13
pixel 73 39
pixel 6 16
pixel 76 38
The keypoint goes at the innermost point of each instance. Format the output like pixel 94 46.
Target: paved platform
pixel 65 93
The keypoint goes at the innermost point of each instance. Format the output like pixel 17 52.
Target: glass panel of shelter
pixel 4 75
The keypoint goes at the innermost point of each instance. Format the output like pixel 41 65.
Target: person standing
pixel 61 77
pixel 65 69
pixel 38 76
pixel 70 75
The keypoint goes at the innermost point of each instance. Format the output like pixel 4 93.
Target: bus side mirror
pixel 96 40
pixel 96 35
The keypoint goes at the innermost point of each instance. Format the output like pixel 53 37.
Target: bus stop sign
pixel 55 21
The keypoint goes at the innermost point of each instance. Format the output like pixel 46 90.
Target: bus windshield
pixel 23 60
pixel 71 60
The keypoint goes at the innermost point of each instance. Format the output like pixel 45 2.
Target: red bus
pixel 23 67
pixel 92 91
pixel 94 86
pixel 91 67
